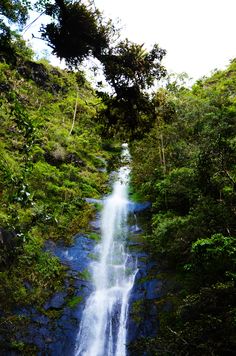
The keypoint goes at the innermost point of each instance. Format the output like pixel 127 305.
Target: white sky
pixel 199 35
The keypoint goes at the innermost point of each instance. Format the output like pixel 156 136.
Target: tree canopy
pixel 131 70
pixel 129 65
pixel 77 31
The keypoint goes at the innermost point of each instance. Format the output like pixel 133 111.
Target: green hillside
pixel 51 160
pixel 186 167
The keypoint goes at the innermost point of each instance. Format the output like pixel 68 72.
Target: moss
pixel 52 313
pixel 80 222
pixel 98 206
pixel 135 196
pixel 74 301
pixel 35 275
pixel 94 236
pixel 136 248
pixel 94 257
pixel 137 310
pixel 11 327
pixel 84 275
pixel 18 345
pixel 147 278
pixel 143 259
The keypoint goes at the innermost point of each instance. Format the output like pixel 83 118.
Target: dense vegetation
pixel 51 159
pixel 53 127
pixel 186 166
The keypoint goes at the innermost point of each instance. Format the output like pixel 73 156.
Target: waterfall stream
pixel 103 328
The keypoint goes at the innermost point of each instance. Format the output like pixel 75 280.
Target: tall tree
pixel 128 65
pixel 77 31
pixel 131 70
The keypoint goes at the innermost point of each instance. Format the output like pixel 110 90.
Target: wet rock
pixel 138 207
pixel 96 224
pixel 81 284
pixel 27 285
pixel 34 336
pixel 132 330
pixel 56 302
pixel 27 312
pixel 48 340
pixel 58 336
pixel 41 319
pixel 92 200
pixel 135 229
pixel 75 256
pixel 152 288
pixel 142 320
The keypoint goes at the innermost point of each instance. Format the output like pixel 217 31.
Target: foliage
pixel 74 301
pixel 77 31
pixel 214 259
pixel 85 275
pixel 12 12
pixel 94 236
pixel 15 10
pixel 46 172
pixel 130 70
pixel 128 65
pixel 190 178
pixel 29 279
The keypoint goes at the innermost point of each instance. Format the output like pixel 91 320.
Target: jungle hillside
pixel 60 140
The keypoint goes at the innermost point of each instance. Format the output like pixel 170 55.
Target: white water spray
pixel 103 328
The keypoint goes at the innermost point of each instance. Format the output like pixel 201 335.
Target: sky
pixel 199 35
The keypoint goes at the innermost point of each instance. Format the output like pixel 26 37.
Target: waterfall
pixel 103 327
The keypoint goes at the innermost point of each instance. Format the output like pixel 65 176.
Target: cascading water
pixel 103 326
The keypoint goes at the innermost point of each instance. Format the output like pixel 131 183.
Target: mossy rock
pixel 137 310
pixel 93 257
pixel 74 301
pixel 85 275
pixel 94 236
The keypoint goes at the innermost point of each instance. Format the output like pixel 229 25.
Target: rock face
pixel 143 313
pixel 138 207
pixel 55 329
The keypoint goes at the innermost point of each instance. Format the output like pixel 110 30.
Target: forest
pixel 59 133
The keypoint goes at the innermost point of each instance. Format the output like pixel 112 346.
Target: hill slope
pixel 51 159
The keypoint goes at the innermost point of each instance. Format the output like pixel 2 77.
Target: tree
pixel 76 31
pixel 129 66
pixel 131 70
pixel 15 11
pixel 11 11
